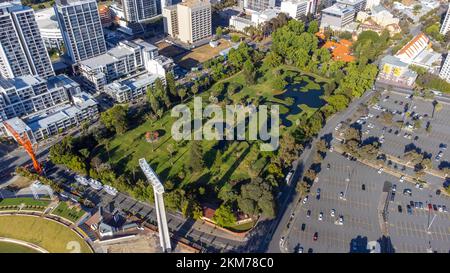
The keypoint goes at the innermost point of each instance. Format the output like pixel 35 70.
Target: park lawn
pixel 239 160
pixel 51 236
pixel 71 214
pixel 27 201
pixel 242 227
pixel 6 247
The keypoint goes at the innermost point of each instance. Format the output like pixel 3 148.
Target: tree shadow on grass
pixel 234 166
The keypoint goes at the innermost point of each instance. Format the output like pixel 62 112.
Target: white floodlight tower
pixel 158 190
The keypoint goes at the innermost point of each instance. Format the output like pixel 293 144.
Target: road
pixel 278 228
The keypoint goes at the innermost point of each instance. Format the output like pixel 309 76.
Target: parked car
pixel 305 199
pixel 363 187
pixel 320 216
pixel 400 210
pixel 315 236
pixel 408 209
pixel 303 227
pixel 308 213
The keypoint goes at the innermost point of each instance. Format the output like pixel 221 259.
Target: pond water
pixel 301 92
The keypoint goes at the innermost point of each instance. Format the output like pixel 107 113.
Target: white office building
pixel 190 21
pixel 44 107
pixel 81 28
pixel 445 70
pixel 357 5
pixel 296 9
pixel 22 51
pixel 137 11
pixel 258 5
pixel 337 16
pixel 126 59
pixel 446 23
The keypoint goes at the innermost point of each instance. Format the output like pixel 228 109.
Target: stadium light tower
pixel 158 190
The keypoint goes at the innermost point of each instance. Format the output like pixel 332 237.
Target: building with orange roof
pixel 340 50
pixel 418 52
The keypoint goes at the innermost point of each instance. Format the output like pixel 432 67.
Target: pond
pixel 303 90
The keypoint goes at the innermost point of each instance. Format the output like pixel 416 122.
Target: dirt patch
pixel 147 242
pixel 188 59
pixel 19 182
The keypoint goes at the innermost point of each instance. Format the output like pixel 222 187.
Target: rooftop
pixel 46 19
pixel 338 10
pixel 194 3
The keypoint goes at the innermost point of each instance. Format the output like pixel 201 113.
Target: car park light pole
pixel 350 175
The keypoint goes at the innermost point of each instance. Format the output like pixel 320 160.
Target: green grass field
pixel 71 214
pixel 47 234
pixel 29 204
pixel 234 160
pixel 15 248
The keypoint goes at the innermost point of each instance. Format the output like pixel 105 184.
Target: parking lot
pixel 362 213
pixel 395 142
pixel 359 194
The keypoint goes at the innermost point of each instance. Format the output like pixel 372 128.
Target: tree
pixel 219 32
pixel 313 27
pixel 224 216
pixel 235 38
pixel 182 93
pixel 249 72
pixel 196 156
pixel 116 118
pixel 289 149
pixel 195 88
pixel 257 196
pixel 171 84
pixel 152 100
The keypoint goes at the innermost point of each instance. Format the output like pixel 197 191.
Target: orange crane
pixel 25 142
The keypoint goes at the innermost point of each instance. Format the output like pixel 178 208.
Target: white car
pixel 341 195
pixel 305 199
pixel 320 216
pixel 341 220
pixel 332 212
pixel 417 185
pixel 110 190
pixel 380 170
pixel 300 250
pixel 402 178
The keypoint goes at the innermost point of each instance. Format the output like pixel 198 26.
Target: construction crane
pixel 25 142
